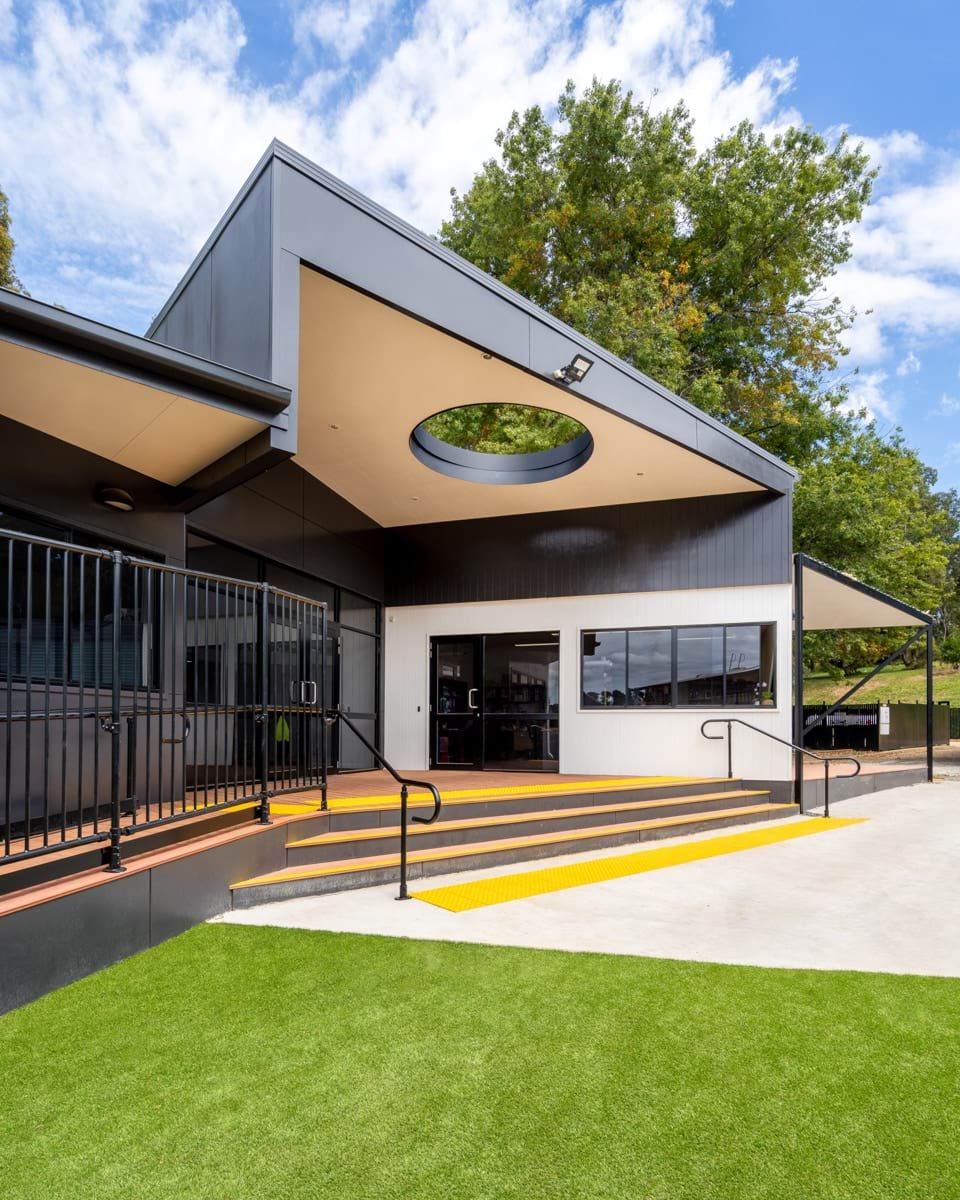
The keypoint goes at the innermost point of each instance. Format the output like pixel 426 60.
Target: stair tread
pixel 423 799
pixel 387 831
pixel 345 866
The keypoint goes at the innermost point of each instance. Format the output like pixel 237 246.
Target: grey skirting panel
pixel 53 944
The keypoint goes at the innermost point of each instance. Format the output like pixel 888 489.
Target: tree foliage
pixel 710 271
pixel 8 277
pixel 703 269
pixel 503 428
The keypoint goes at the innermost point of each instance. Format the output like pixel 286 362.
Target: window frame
pixel 673 630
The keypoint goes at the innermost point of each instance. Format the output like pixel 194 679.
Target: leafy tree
pixel 8 277
pixel 950 650
pixel 705 270
pixel 504 428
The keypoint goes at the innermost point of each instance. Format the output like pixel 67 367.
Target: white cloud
pixel 123 139
pixel 946 406
pixel 124 135
pixel 8 24
pixel 909 365
pixel 341 25
pixel 868 394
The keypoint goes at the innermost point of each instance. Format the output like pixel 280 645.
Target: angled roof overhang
pixel 152 408
pixel 834 600
pixel 374 327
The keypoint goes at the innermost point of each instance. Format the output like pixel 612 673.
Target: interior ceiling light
pixel 116 498
pixel 575 370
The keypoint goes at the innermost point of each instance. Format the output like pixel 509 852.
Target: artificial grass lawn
pixel 241 1062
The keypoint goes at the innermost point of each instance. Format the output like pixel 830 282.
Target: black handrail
pixel 405 784
pixel 730 721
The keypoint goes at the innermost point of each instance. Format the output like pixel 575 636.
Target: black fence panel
pixel 851 727
pixel 135 693
pixel 876 726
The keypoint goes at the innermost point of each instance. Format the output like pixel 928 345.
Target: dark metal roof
pixel 45 327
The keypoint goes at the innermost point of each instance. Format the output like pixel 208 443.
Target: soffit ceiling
pixel 375 374
pixel 159 433
pixel 829 603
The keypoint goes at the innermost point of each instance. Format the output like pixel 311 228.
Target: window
pixel 705 666
pixel 649 667
pixel 700 665
pixel 604 669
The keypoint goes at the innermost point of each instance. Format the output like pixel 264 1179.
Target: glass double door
pixel 494 702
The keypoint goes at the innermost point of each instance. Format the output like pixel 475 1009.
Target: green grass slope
pixel 248 1063
pixel 889 686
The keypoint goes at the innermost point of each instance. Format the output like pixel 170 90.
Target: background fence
pixel 878 726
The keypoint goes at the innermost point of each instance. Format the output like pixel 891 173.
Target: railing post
pixel 324 768
pixel 263 808
pixel 826 787
pixel 403 843
pixel 114 865
pixel 929 721
pixel 729 749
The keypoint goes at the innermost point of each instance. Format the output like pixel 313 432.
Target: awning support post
pixel 798 730
pixel 930 703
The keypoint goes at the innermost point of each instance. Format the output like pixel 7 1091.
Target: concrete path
pixel 879 896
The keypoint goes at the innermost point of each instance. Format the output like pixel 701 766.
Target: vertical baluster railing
pixel 263 665
pixel 113 726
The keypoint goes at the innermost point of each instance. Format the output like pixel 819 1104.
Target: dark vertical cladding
pixel 223 311
pixel 717 541
pixel 58 482
pixel 290 517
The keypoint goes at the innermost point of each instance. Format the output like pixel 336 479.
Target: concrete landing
pixel 878 896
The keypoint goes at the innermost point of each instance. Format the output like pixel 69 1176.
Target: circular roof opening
pixel 502 443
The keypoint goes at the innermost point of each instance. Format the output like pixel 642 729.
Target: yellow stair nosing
pixel 380 832
pixel 391 800
pixel 354 866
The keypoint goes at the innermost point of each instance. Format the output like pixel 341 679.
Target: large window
pixel 705 666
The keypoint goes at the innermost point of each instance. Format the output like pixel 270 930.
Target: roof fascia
pixel 43 327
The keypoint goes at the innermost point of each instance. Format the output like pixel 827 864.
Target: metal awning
pixel 835 600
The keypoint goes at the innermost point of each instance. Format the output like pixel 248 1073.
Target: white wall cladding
pixel 605 741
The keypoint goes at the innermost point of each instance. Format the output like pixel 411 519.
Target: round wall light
pixel 115 498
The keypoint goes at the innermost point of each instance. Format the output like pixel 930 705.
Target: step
pixel 386 839
pixel 381 811
pixel 318 878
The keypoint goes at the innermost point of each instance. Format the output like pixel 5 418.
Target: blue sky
pixel 126 127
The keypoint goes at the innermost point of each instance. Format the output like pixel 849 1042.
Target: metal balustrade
pixel 137 693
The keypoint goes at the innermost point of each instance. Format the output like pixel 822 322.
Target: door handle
pixel 470 704
pixel 308 696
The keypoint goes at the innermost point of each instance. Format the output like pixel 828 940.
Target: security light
pixel 575 370
pixel 116 498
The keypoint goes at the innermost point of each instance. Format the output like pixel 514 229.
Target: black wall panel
pixel 716 541
pixel 41 475
pixel 287 515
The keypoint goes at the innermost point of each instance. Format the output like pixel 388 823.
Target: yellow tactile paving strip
pixel 480 893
